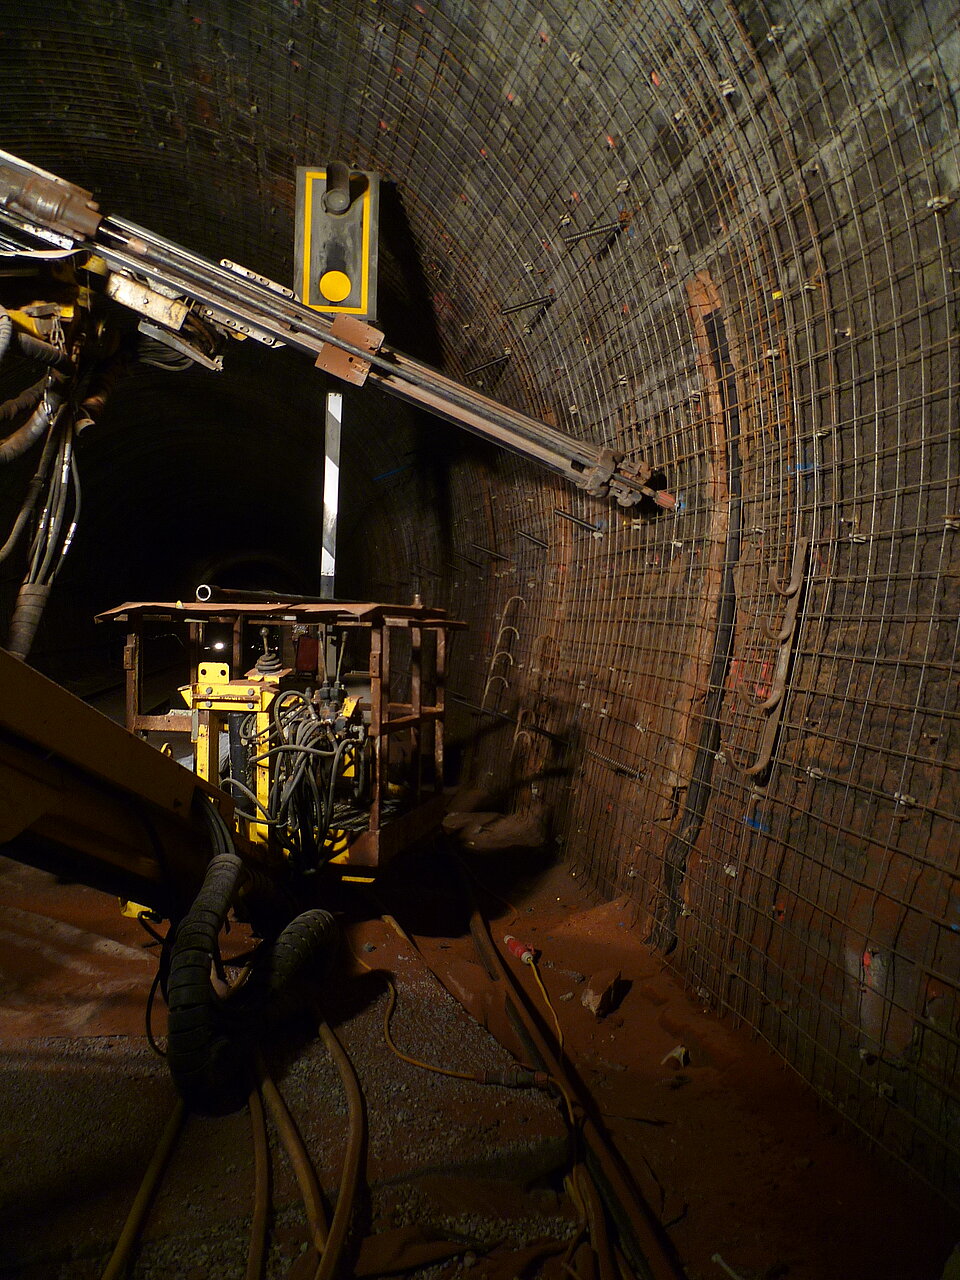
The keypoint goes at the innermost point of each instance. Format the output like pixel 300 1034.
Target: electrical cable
pixel 521 1076
pixel 148 1015
pixel 599 1235
pixel 532 964
pixel 155 934
pixel 405 1057
pixel 573 1191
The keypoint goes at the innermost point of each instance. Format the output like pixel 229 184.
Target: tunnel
pixel 718 237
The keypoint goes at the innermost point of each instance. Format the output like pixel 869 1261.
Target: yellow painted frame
pixel 309 178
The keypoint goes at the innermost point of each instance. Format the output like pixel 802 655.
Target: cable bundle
pixel 309 762
pixel 50 409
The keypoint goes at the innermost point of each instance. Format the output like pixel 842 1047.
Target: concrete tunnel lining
pixel 787 171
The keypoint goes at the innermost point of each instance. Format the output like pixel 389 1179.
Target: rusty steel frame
pixel 422 721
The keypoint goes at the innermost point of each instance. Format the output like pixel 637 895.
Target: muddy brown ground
pixel 733 1154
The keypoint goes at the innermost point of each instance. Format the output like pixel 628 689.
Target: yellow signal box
pixel 338 212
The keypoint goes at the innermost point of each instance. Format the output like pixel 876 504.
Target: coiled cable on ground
pixel 517 1077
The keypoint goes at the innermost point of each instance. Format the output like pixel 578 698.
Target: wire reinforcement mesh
pixel 720 237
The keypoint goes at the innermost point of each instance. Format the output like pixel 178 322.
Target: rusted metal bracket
pixel 335 360
pixel 772 705
pixel 796 574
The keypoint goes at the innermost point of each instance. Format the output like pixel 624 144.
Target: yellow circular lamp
pixel 335 286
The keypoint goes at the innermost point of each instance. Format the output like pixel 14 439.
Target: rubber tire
pixel 302 953
pixel 209 1062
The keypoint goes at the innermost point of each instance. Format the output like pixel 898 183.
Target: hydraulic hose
pixel 6 332
pixel 18 442
pixel 641 1236
pixel 28 399
pixel 352 1160
pixel 30 499
pixel 36 349
pixel 257 1251
pixel 117 1265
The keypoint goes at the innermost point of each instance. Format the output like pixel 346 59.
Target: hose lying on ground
pixel 352 1160
pixel 117 1265
pixel 257 1250
pixel 303 1168
pixel 641 1236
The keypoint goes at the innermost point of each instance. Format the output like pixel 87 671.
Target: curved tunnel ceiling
pixel 720 237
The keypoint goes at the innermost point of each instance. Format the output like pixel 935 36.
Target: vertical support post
pixel 441 674
pixel 207 746
pixel 331 493
pixel 416 699
pixel 376 719
pixel 194 630
pixel 236 665
pixel 259 831
pixel 131 665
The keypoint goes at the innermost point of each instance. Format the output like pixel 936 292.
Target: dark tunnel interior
pixel 717 236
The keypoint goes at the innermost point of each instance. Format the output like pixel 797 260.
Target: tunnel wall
pixel 720 238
